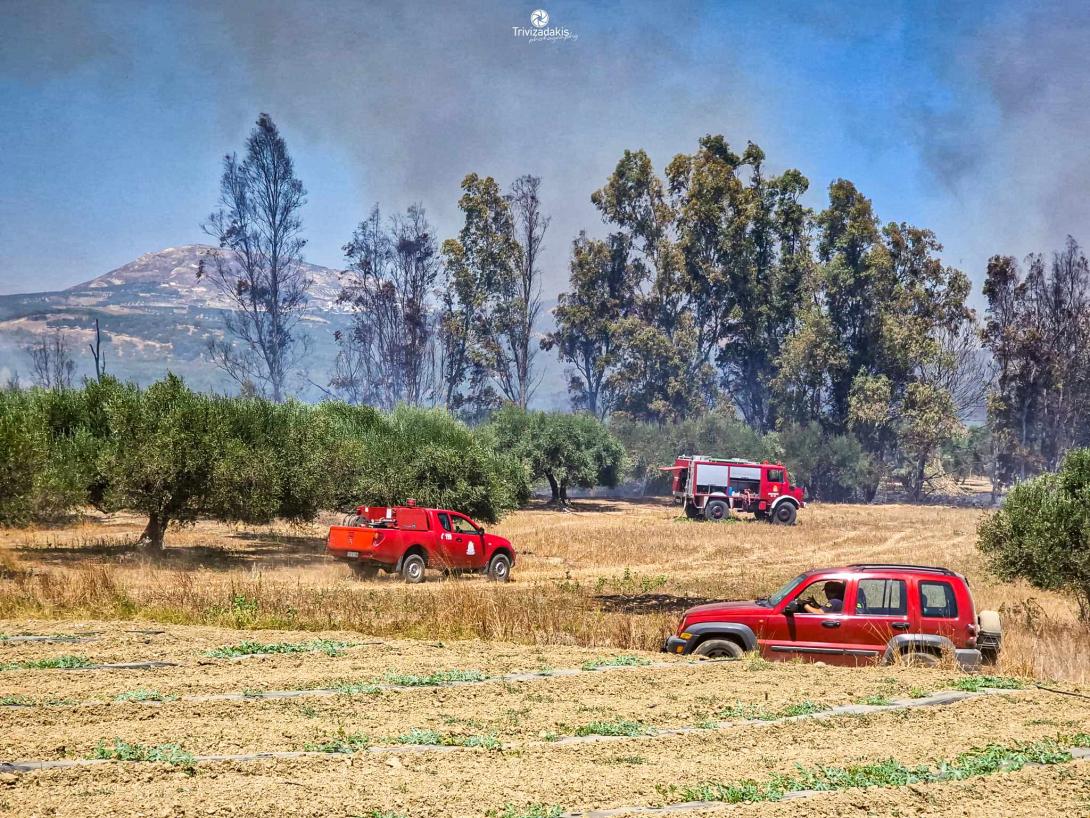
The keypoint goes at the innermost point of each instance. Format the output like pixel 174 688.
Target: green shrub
pixel 1041 532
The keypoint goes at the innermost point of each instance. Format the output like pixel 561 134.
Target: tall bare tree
pixel 515 371
pixel 98 353
pixel 388 356
pixel 51 362
pixel 258 266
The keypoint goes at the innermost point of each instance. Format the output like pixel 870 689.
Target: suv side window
pixel 937 600
pixel 881 597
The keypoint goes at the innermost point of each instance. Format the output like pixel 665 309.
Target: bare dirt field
pixel 241 673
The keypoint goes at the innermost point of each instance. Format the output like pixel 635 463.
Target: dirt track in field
pixel 69 712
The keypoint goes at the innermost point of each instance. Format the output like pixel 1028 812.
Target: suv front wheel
pixel 718 649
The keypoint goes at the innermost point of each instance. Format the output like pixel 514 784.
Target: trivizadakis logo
pixel 540 31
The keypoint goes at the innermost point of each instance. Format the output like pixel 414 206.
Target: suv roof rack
pixel 899 566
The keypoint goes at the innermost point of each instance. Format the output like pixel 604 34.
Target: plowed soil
pixel 528 765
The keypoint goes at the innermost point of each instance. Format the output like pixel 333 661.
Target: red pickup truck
pixel 858 614
pixel 407 540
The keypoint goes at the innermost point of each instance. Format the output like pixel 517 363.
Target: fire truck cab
pixel 711 487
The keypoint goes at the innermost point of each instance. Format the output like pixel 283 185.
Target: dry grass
pixel 612 573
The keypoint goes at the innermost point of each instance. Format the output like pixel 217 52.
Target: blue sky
pixel 965 118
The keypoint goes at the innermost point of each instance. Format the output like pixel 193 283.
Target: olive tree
pixel 564 450
pixel 178 455
pixel 427 455
pixel 1042 531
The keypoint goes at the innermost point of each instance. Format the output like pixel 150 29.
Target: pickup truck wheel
pixel 784 513
pixel 499 570
pixel 412 569
pixel 718 649
pixel 716 510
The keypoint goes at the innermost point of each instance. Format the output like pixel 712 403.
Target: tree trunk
pixel 555 488
pixel 564 492
pixel 918 480
pixel 156 529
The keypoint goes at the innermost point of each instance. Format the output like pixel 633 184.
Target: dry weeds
pixel 610 574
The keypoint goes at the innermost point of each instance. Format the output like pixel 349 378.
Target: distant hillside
pixel 156 315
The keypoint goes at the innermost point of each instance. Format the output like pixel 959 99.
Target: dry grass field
pixel 242 673
pixel 610 574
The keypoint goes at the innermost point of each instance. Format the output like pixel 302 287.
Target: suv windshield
pixel 785 589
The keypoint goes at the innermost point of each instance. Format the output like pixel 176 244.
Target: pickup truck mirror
pixel 792 607
pixel 481 530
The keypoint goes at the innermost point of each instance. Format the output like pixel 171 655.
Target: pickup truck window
pixel 464 526
pixel 937 600
pixel 881 597
pixel 444 520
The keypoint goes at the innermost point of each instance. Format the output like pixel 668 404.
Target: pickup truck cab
pixel 857 614
pixel 408 540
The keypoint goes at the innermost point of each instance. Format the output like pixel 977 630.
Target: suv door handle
pixel 900 626
pixel 830 623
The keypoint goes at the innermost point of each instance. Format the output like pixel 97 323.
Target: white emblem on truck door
pixel 470 550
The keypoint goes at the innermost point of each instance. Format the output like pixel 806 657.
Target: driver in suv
pixel 834 593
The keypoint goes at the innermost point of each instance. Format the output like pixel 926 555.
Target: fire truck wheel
pixel 412 569
pixel 499 570
pixel 784 513
pixel 716 510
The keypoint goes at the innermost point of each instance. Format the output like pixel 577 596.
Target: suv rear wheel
pixel 784 514
pixel 716 510
pixel 718 649
pixel 918 658
pixel 412 569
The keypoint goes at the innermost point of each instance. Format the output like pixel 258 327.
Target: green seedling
pixel 527 811
pixel 877 700
pixel 442 677
pixel 615 661
pixel 620 727
pixel 62 662
pixel 346 743
pixel 974 684
pixel 123 751
pixel 352 689
pixel 890 773
pixel 249 648
pixel 433 738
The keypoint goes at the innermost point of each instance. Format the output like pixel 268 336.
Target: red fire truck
pixel 710 487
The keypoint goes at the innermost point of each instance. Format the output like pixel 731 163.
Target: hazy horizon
pixel 119 114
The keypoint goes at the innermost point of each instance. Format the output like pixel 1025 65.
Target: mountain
pixel 155 315
pixel 168 278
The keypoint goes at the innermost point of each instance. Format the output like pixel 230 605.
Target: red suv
pixel 858 614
